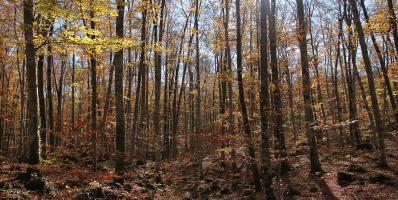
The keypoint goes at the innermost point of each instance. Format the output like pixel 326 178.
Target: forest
pixel 198 99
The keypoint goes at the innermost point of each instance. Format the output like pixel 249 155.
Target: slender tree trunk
pixel 264 101
pixel 198 123
pixel 372 88
pixel 50 62
pixel 277 103
pixel 141 71
pixel 173 144
pixel 93 63
pixel 106 105
pixel 309 115
pixel 380 57
pixel 42 105
pixel 354 123
pixel 158 82
pixel 59 127
pixel 393 23
pixel 335 83
pixel 245 118
pixel 118 64
pixel 314 49
pixel 73 109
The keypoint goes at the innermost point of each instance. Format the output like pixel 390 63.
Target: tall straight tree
pixel 32 153
pixel 42 105
pixel 264 101
pixel 382 62
pixel 50 112
pixel 277 99
pixel 93 63
pixel 245 118
pixel 393 23
pixel 371 83
pixel 158 77
pixel 141 70
pixel 308 112
pixel 118 62
pixel 354 125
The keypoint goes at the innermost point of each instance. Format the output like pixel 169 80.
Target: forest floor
pixel 350 174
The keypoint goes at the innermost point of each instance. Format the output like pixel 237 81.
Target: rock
pixel 293 191
pixel 235 185
pixel 225 191
pixel 187 196
pixel 148 185
pixel 381 178
pixel 137 188
pixel 345 178
pixel 313 189
pixel 36 184
pixel 26 176
pixel 70 158
pixel 96 191
pixel 247 192
pixel 214 186
pixel 140 162
pixel 14 195
pixel 75 182
pixel 365 145
pixel 33 181
pixel 356 169
pixel 204 192
pixel 94 184
pixel 128 187
pixel 300 151
pixel 158 179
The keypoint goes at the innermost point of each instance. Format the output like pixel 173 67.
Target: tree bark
pixel 381 60
pixel 264 101
pixel 118 64
pixel 245 118
pixel 33 154
pixel 309 115
pixel 372 88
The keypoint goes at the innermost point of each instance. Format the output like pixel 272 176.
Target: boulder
pixel 293 191
pixel 356 169
pixel 345 178
pixel 381 178
pixel 365 145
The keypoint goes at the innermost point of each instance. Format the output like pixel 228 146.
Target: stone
pixel 381 178
pixel 345 178
pixel 365 145
pixel 187 196
pixel 313 189
pixel 356 169
pixel 293 191
pixel 247 192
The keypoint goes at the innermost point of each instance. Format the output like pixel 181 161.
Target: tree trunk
pixel 309 115
pixel 33 154
pixel 118 64
pixel 158 82
pixel 372 88
pixel 393 23
pixel 94 100
pixel 277 103
pixel 50 62
pixel 264 101
pixel 42 105
pixel 381 60
pixel 245 118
